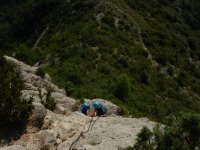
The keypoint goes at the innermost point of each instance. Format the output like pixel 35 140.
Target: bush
pixel 47 100
pixel 108 19
pixel 144 140
pixel 14 110
pixel 23 53
pixel 182 132
pixel 70 88
pixel 40 72
pixel 145 135
pixel 144 77
pixel 123 88
pixel 196 87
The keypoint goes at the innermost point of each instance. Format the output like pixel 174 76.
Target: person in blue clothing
pixel 85 108
pixel 100 110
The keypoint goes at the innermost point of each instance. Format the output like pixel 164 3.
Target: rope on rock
pixel 82 132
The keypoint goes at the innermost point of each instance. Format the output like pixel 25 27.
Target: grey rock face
pixel 110 133
pixel 48 77
pixel 44 139
pixel 13 147
pixel 38 115
pixel 78 131
pixel 21 65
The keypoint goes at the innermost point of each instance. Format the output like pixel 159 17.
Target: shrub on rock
pixel 182 132
pixel 14 110
pixel 48 101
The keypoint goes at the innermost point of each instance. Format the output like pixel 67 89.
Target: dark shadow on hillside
pixel 10 134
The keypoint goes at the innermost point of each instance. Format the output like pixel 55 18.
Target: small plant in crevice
pixel 47 100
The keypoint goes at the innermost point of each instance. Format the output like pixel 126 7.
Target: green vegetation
pixel 40 72
pixel 14 110
pixel 94 50
pixel 182 132
pixel 47 100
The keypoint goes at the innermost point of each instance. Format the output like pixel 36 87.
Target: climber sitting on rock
pixel 100 110
pixel 85 108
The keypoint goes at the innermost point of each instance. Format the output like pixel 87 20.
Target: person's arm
pixel 92 113
pixel 88 112
pixel 95 113
pixel 107 112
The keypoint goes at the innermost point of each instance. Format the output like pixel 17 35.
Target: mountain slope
pixel 143 56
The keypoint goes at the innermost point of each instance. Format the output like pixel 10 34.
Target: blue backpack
pixel 84 109
pixel 104 109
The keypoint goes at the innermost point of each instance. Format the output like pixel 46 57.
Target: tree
pixel 123 88
pixel 14 110
pixel 144 139
pixel 190 126
pixel 181 132
pixel 70 88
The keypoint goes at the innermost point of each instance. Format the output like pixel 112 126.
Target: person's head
pixel 85 104
pixel 95 105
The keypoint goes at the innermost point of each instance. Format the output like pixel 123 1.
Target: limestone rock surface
pixel 13 147
pixel 77 131
pixel 38 115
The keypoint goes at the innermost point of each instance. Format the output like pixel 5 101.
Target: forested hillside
pixel 142 55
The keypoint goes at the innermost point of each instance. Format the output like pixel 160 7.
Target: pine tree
pixel 14 110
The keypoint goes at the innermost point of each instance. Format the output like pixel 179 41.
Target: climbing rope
pixel 73 144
